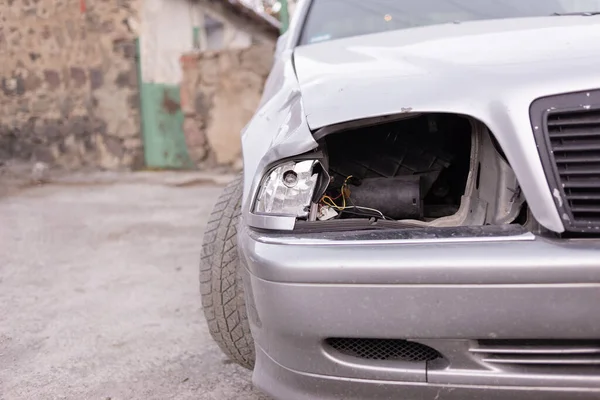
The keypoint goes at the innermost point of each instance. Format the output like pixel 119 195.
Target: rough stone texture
pixel 219 94
pixel 66 80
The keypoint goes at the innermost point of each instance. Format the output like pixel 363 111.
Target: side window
pixel 209 33
pixel 215 33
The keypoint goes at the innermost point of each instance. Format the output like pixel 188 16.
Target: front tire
pixel 221 284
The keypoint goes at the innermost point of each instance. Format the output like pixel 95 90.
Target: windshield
pixel 335 19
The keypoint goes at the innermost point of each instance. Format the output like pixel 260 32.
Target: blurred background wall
pixel 119 84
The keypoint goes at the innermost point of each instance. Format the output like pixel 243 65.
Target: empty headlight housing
pixel 287 189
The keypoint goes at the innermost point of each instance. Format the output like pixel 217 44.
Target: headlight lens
pixel 287 189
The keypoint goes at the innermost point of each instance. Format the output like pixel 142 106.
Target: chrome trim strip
pixel 536 350
pixel 543 361
pixel 299 241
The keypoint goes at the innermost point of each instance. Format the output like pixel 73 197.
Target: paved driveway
pixel 99 295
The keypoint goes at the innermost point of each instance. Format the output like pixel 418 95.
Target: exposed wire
pixel 345 194
pixel 370 209
pixel 337 197
pixel 329 201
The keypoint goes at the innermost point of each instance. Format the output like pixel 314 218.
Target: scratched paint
pixel 557 196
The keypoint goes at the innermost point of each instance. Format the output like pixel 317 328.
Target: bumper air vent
pixel 567 129
pixel 565 353
pixel 383 349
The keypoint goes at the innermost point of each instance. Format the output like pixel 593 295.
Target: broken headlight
pixel 287 189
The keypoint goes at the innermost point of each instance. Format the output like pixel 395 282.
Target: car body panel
pixel 442 290
pixel 524 259
pixel 462 68
pixel 285 383
pixel 529 288
pixel 489 70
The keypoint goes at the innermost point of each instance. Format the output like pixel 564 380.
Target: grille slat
pixel 577 146
pixel 586 209
pixel 569 146
pixel 538 352
pixel 582 184
pixel 540 349
pixel 585 196
pixel 595 170
pixel 543 360
pixel 383 349
pixel 573 133
pixel 576 159
pixel 592 118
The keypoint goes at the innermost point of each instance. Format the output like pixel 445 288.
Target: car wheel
pixel 221 282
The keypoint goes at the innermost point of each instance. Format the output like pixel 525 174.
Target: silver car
pixel 419 212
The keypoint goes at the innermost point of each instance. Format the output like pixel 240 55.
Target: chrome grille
pixel 539 352
pixel 383 349
pixel 567 129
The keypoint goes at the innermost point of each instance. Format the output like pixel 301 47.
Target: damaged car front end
pixel 419 215
pixel 413 170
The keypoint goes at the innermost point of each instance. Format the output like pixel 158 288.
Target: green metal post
pixel 284 16
pixel 138 62
pixel 161 123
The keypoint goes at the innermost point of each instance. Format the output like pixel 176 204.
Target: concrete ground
pixel 99 293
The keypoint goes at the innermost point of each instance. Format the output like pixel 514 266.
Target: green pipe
pixel 138 62
pixel 284 16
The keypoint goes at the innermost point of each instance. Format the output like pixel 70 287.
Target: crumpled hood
pixel 464 68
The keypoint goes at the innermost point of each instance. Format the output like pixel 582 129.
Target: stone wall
pixel 68 83
pixel 219 94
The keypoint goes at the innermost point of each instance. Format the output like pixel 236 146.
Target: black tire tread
pixel 221 284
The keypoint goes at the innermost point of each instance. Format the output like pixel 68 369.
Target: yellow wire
pixel 330 202
pixel 327 200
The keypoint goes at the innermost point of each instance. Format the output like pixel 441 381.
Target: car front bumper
pixel 446 291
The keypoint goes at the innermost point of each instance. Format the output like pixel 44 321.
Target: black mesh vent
pixel 567 128
pixel 384 349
